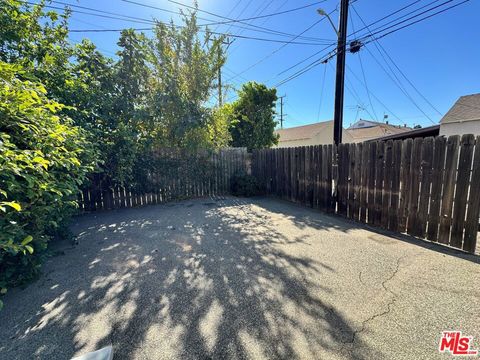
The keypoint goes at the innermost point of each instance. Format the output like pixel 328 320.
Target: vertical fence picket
pixel 364 182
pixel 395 189
pixel 379 169
pixel 342 188
pixel 387 184
pixel 357 181
pixel 350 177
pixel 371 182
pixel 461 192
pixel 448 189
pixel 437 183
pixel 326 168
pixel 329 200
pixel 471 222
pixel 414 186
pixel 425 184
pixel 405 184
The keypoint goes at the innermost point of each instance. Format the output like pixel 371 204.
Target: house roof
pixel 373 122
pixel 375 132
pixel 466 108
pixel 303 132
pixel 413 133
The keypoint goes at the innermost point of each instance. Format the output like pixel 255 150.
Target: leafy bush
pixel 43 161
pixel 246 185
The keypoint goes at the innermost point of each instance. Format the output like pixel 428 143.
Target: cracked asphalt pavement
pixel 238 278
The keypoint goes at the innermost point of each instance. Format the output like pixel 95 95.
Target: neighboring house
pixel 314 134
pixel 414 133
pixel 463 117
pixel 364 130
pixel 362 123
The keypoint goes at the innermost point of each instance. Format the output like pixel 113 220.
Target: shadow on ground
pixel 305 217
pixel 198 279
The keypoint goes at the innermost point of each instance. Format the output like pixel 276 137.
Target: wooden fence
pixel 172 175
pixel 428 188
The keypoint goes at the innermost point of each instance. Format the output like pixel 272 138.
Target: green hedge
pixel 43 161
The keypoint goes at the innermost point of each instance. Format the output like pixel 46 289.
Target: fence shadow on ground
pixel 199 279
pixel 309 218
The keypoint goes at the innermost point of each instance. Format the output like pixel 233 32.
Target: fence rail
pixel 428 188
pixel 173 175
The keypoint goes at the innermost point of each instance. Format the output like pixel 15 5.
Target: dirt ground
pixel 241 279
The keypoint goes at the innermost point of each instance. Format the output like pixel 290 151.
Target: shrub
pixel 246 185
pixel 43 160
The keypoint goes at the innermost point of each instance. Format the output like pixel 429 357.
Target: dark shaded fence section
pixel 428 188
pixel 172 174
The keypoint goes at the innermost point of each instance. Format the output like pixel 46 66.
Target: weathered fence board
pixel 179 176
pixel 448 189
pixel 425 183
pixel 471 222
pixel 427 188
pixel 460 201
pixel 387 183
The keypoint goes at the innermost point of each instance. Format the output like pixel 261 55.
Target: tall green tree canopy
pixel 185 68
pixel 253 121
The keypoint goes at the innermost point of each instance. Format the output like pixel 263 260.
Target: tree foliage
pixel 184 72
pixel 253 121
pixel 43 160
pixel 63 105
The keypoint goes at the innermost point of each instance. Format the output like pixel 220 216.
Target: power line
pixel 317 62
pixel 122 17
pixel 398 83
pixel 353 92
pixel 281 47
pixel 402 16
pixel 262 16
pixel 210 32
pixel 321 92
pixel 414 22
pixel 363 73
pixel 305 59
pixel 259 11
pixel 397 67
pixel 278 49
pixel 241 12
pixel 91 14
pixel 386 16
pixel 144 21
pixel 230 12
pixel 373 95
pixel 308 67
pixel 209 13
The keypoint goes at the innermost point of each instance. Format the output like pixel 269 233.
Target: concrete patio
pixel 240 279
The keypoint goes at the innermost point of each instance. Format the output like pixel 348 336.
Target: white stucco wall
pixel 460 128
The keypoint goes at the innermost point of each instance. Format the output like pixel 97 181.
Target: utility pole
pixel 340 73
pixel 281 111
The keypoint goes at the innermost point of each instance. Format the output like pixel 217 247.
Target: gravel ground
pixel 241 279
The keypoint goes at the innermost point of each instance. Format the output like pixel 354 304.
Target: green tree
pixel 253 122
pixel 132 75
pixel 44 159
pixel 185 68
pixel 219 126
pixel 37 40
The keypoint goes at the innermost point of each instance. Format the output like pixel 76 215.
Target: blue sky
pixel 439 56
